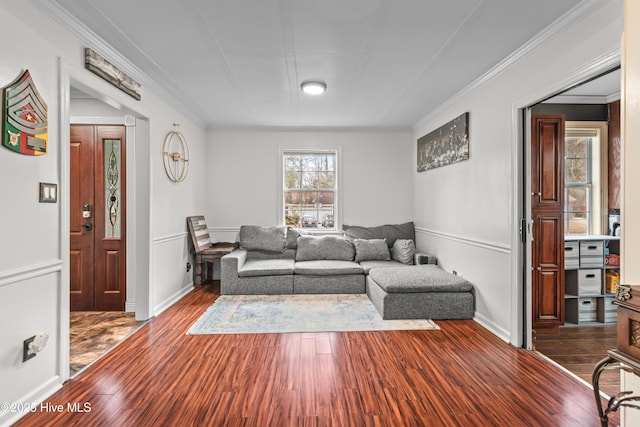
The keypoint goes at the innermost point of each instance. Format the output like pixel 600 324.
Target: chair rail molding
pixel 25 273
pixel 485 244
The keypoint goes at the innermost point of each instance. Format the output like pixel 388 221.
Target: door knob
pixel 88 226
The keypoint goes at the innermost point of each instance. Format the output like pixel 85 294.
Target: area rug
pixel 261 314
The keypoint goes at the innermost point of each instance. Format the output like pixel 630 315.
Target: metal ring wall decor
pixel 175 155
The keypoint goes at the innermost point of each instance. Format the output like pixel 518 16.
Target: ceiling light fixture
pixel 313 88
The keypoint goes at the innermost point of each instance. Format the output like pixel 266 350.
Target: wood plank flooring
pixel 461 375
pixel 580 348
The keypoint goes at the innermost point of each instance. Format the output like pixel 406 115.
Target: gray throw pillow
pixel 390 232
pixel 292 238
pixel 312 248
pixel 257 238
pixel 403 251
pixel 371 250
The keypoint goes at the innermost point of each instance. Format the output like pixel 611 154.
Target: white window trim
pixel 599 172
pixel 337 208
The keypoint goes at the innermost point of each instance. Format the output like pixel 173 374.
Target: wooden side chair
pixel 202 247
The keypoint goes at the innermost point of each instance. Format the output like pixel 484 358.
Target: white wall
pixel 465 212
pixel 630 208
pixel 374 177
pixel 34 245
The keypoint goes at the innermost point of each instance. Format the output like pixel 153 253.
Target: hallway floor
pixel 579 348
pixel 93 333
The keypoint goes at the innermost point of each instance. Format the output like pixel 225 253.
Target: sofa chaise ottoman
pixel 420 292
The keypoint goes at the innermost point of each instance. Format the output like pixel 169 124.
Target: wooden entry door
pixel 97 211
pixel 547 212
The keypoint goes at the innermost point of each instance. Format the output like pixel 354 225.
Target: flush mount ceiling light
pixel 313 88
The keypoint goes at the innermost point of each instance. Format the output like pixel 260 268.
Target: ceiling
pixel 240 63
pixel 601 90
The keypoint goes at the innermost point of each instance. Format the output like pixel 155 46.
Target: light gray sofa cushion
pixel 327 268
pixel 368 265
pixel 418 278
pixel 266 267
pixel 371 250
pixel 390 232
pixel 403 251
pixel 311 248
pixel 255 237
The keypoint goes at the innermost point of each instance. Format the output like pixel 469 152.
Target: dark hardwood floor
pixel 580 348
pixel 461 375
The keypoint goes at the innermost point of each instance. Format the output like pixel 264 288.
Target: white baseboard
pixel 130 307
pixel 492 327
pixel 172 299
pixel 31 400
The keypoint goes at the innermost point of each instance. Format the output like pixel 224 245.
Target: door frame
pixel 129 122
pixel 522 334
pixel 138 185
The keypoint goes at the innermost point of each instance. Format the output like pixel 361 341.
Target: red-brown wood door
pixel 547 206
pixel 97 211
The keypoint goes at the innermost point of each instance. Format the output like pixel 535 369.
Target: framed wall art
pixel 445 145
pixel 24 117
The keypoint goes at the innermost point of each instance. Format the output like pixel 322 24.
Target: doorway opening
pixel 574 259
pixel 83 104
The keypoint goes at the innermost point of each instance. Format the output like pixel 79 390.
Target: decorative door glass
pixel 112 182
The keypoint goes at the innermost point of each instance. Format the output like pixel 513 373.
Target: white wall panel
pixel 630 203
pixel 374 176
pixel 32 233
pixel 474 199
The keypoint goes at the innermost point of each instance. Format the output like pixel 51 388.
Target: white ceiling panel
pixel 387 63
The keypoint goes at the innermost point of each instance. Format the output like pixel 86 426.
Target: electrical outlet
pixel 188 267
pixel 26 354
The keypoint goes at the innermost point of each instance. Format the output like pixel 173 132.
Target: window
pixel 309 189
pixel 583 189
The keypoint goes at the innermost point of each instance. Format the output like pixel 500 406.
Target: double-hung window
pixel 309 188
pixel 583 189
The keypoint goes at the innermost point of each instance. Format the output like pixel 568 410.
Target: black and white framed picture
pixel 445 145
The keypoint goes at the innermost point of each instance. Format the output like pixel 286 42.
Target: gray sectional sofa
pixel 279 260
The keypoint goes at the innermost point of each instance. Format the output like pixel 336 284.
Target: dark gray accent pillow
pixel 371 250
pixel 255 237
pixel 403 251
pixel 390 232
pixel 312 248
pixel 292 238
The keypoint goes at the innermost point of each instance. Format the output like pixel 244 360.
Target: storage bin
pixel 592 254
pixel 571 255
pixel 587 310
pixel 589 282
pixel 607 310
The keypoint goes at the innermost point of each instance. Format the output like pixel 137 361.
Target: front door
pixel 547 213
pixel 97 211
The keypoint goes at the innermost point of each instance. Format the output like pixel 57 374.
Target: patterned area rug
pixel 262 314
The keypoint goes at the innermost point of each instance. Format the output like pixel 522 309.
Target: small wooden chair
pixel 204 250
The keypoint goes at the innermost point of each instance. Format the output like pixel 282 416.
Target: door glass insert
pixel 112 168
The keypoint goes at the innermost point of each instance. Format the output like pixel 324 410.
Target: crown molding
pixel 576 14
pixel 92 40
pixel 584 99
